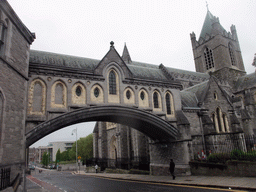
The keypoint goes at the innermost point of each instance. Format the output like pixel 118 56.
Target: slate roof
pixel 185 73
pixel 207 26
pixel 147 73
pixel 139 70
pixel 61 60
pixel 198 90
pixel 245 82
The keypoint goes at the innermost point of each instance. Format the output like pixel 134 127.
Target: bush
pixel 218 157
pixel 236 154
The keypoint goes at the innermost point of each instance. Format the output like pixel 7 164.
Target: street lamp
pixel 75 130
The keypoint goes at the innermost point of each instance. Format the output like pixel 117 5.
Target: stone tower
pixel 217 50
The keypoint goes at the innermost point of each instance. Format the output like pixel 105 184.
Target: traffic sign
pixel 79 157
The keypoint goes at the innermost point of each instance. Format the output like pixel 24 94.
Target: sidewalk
pixel 240 183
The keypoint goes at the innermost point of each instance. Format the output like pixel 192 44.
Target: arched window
pixel 168 104
pixel 59 94
pixel 37 97
pixel 142 95
pixel 96 92
pixel 231 54
pixel 218 111
pixel 78 91
pixel 128 94
pixel 3 34
pixel 112 83
pixel 225 123
pixel 155 100
pixel 208 56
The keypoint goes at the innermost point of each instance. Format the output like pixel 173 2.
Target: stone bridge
pixel 65 90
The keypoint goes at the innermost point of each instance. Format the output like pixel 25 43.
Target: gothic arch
pixel 97 94
pixel 220 121
pixel 143 98
pixel 148 123
pixel 157 100
pixel 129 96
pixel 37 97
pixel 208 58
pixel 59 95
pixel 113 148
pixel 78 93
pixel 113 86
pixel 169 104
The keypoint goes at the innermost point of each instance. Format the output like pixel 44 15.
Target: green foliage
pixel 243 156
pixel 84 148
pixel 45 159
pixel 236 154
pixel 218 157
pixel 58 156
pixel 64 156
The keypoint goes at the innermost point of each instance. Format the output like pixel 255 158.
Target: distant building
pixel 36 154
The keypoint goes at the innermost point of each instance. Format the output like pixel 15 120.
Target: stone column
pixel 160 155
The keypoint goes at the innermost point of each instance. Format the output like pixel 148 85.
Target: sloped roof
pixel 188 99
pixel 139 70
pixel 245 82
pixel 185 73
pixel 198 89
pixel 207 26
pixel 61 60
pixel 147 73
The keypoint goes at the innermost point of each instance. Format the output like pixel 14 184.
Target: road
pixel 55 181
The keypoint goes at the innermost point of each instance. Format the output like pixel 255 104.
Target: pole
pixel 76 150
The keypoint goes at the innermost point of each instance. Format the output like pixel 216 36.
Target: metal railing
pixel 226 143
pixel 141 163
pixel 5 174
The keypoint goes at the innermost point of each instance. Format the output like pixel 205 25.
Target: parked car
pixel 31 167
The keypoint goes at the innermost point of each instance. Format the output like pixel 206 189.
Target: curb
pixel 174 183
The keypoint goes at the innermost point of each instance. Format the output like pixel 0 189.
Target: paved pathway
pixel 240 183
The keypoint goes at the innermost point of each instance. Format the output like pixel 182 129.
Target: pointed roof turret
pixel 126 56
pixel 208 25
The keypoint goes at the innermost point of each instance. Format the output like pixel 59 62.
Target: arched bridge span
pixel 148 123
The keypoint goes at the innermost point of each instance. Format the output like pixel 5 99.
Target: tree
pixel 45 159
pixel 58 156
pixel 64 156
pixel 84 148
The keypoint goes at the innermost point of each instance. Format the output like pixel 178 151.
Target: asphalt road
pixel 67 182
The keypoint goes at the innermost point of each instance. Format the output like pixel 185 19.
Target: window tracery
pixel 208 56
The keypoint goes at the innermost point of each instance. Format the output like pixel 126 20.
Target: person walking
pixel 171 168
pixel 96 168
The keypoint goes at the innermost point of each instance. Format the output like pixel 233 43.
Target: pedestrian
pixel 171 168
pixel 96 168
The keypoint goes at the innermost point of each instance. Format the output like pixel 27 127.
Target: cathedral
pixel 218 104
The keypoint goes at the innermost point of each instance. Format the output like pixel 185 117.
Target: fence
pixel 227 143
pixel 141 163
pixel 5 177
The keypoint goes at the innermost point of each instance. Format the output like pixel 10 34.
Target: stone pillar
pixel 160 155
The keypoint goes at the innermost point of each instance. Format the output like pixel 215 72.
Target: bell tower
pixel 217 50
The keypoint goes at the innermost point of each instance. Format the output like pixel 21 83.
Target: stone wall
pixel 231 168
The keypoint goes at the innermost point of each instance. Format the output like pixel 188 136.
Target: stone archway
pixel 148 123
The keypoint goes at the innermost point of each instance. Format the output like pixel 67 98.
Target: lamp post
pixel 75 130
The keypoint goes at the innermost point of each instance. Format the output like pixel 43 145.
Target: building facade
pixel 15 41
pixel 218 104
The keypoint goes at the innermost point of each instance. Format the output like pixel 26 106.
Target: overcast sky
pixel 155 31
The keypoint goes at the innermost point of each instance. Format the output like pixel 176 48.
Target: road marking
pixel 171 184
